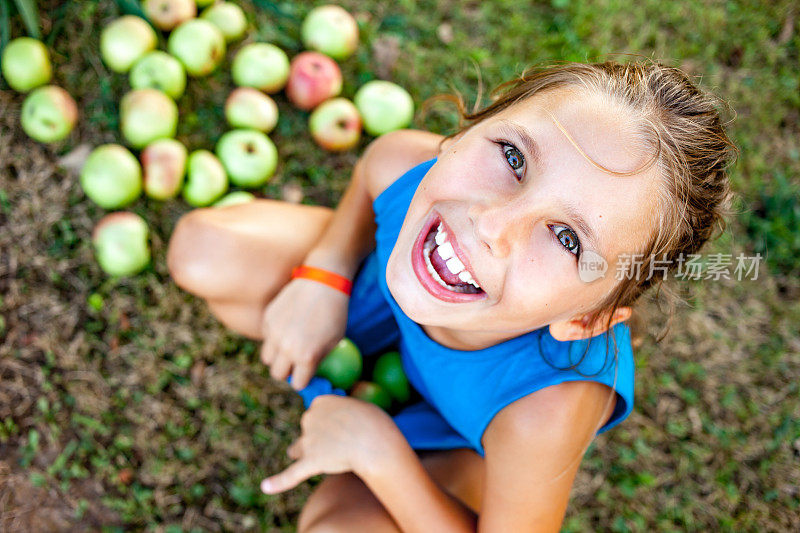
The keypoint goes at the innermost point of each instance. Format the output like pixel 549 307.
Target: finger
pixel 267 353
pixel 295 474
pixel 295 450
pixel 302 375
pixel 280 368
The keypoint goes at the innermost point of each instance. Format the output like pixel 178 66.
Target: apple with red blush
pixel 313 78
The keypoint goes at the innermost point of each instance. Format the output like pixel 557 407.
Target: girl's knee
pixel 186 257
pixel 343 503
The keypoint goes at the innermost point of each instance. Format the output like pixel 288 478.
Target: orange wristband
pixel 325 277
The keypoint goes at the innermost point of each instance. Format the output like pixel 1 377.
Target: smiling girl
pixel 466 251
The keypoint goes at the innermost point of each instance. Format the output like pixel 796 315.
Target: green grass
pixel 140 411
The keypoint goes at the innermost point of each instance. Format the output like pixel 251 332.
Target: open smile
pixel 441 266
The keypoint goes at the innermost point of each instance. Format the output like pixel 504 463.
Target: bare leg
pixel 238 257
pixel 343 503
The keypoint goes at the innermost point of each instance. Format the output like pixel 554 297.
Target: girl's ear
pixel 580 327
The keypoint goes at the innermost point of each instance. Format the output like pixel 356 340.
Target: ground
pixel 144 413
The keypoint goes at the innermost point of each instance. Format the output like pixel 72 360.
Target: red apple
pixel 313 78
pixel 335 125
pixel 164 163
pixel 167 14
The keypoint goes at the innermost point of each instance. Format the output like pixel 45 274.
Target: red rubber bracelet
pixel 325 277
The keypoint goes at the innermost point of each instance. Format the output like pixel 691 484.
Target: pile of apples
pixel 113 177
pixel 389 387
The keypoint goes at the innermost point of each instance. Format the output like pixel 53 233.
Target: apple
pixel 373 393
pixel 335 125
pixel 126 40
pixel 229 18
pixel 199 45
pixel 250 108
pixel 313 78
pixel 330 30
pixel 26 64
pixel 48 114
pixel 204 3
pixel 111 176
pixel 384 106
pixel 342 365
pixel 167 14
pixel 263 66
pixel 205 179
pixel 249 157
pixel 147 115
pixel 159 70
pixel 389 374
pixel 235 198
pixel 164 163
pixel 120 243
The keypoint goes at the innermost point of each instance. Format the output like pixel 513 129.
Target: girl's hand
pixel 301 324
pixel 339 434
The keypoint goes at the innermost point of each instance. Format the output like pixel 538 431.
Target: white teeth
pixel 454 265
pixel 446 251
pixel 464 276
pixel 441 236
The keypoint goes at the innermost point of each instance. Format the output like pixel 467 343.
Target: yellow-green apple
pixel 342 365
pixel 199 45
pixel 48 114
pixel 313 78
pixel 159 70
pixel 167 14
pixel 249 157
pixel 205 179
pixel 126 40
pixel 147 115
pixel 204 3
pixel 384 106
pixel 235 198
pixel 111 176
pixel 120 243
pixel 164 164
pixel 335 125
pixel 250 108
pixel 330 30
pixel 228 17
pixel 263 66
pixel 26 64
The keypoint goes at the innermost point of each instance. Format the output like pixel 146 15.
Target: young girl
pixel 472 251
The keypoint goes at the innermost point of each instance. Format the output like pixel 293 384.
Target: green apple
pixel 263 66
pixel 159 70
pixel 335 125
pixel 373 393
pixel 249 157
pixel 167 14
pixel 205 179
pixel 250 108
pixel 199 45
pixel 26 64
pixel 204 3
pixel 235 198
pixel 229 18
pixel 164 164
pixel 126 40
pixel 120 243
pixel 330 30
pixel 384 107
pixel 389 374
pixel 48 114
pixel 111 176
pixel 342 365
pixel 147 115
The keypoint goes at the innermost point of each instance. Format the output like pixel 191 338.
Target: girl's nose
pixel 494 226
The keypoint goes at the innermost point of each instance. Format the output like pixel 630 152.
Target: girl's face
pixel 512 205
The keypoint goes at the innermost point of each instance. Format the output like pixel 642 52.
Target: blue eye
pixel 567 237
pixel 514 158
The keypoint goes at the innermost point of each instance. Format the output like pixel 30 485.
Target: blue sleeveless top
pixel 463 390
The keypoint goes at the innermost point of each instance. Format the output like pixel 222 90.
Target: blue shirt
pixel 463 390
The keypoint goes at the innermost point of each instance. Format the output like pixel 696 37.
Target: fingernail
pixel 266 486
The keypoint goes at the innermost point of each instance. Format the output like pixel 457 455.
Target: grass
pixel 125 405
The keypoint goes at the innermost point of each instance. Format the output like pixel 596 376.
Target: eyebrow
pixel 512 129
pixel 586 229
